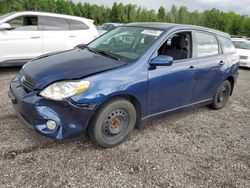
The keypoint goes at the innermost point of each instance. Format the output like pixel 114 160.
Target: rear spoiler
pixel 92 21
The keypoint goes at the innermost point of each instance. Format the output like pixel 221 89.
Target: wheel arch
pixel 131 98
pixel 232 82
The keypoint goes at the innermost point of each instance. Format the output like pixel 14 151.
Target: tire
pixel 222 95
pixel 112 123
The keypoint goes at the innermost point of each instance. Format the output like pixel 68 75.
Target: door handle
pixel 36 37
pixel 191 67
pixel 221 63
pixel 72 36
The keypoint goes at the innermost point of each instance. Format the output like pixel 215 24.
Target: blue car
pixel 113 84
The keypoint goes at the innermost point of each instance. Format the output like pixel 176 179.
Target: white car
pixel 25 35
pixel 243 49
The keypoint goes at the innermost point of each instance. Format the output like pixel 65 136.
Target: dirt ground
pixel 195 148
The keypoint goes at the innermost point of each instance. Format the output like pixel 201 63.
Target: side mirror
pixel 161 60
pixel 82 46
pixel 5 26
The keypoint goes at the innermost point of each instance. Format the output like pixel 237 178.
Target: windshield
pixel 242 44
pixel 6 15
pixel 126 43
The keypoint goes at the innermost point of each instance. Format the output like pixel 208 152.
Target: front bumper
pixel 34 111
pixel 245 63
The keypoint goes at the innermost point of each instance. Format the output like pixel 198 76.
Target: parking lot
pixel 195 148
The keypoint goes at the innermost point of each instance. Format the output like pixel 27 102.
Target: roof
pixel 113 23
pixel 46 14
pixel 239 39
pixel 168 26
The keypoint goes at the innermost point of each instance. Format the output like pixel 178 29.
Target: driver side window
pixel 178 46
pixel 24 23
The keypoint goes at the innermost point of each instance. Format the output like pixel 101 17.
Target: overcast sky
pixel 239 6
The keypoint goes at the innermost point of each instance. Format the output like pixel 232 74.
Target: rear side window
pixel 77 25
pixel 227 45
pixel 206 44
pixel 54 24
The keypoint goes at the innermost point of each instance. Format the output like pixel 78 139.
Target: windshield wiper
pixel 91 50
pixel 107 54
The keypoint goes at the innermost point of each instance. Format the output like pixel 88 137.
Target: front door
pixel 172 87
pixel 23 41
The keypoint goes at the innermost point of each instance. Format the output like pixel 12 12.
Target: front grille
pixel 28 83
pixel 243 57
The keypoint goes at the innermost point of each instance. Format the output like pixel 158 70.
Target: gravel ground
pixel 195 148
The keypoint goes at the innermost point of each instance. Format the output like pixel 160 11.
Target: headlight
pixel 62 90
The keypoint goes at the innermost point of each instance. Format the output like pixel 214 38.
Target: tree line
pixel 229 22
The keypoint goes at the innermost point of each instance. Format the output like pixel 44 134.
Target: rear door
pixel 56 34
pixel 209 67
pixel 23 41
pixel 80 32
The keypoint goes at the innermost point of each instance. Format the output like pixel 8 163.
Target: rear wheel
pixel 113 123
pixel 222 95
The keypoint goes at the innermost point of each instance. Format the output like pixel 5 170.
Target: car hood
pixel 72 64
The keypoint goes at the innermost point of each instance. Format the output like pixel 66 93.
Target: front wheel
pixel 112 123
pixel 222 95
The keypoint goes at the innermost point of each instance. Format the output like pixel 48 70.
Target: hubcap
pixel 115 122
pixel 222 95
